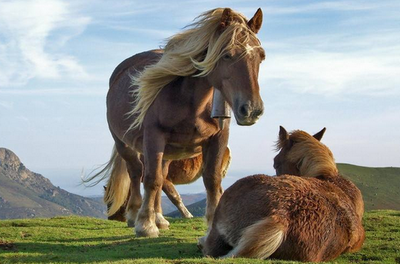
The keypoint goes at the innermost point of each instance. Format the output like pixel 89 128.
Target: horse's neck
pixel 198 90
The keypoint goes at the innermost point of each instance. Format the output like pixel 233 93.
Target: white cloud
pixel 335 64
pixel 33 34
pixel 55 91
pixel 314 7
pixel 332 73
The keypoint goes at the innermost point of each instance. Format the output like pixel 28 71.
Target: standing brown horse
pixel 180 172
pixel 314 217
pixel 159 105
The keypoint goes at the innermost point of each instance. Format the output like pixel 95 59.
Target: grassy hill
pixel 72 239
pixel 380 186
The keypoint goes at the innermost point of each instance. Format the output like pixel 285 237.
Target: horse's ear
pixel 226 18
pixel 256 21
pixel 283 134
pixel 319 135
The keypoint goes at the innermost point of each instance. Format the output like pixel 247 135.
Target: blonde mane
pixel 312 157
pixel 195 51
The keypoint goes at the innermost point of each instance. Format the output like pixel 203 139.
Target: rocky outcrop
pixel 25 194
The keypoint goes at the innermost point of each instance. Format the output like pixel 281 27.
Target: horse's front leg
pixel 153 146
pixel 212 175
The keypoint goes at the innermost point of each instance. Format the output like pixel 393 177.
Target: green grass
pixel 88 240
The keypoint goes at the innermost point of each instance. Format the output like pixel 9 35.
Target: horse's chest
pixel 187 139
pixel 192 133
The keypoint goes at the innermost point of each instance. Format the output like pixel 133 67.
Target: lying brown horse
pixel 159 105
pixel 314 217
pixel 180 172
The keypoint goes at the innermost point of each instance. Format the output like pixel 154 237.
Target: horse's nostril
pixel 245 110
pixel 256 113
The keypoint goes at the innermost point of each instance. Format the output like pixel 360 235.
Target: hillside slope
pixel 25 194
pixel 380 186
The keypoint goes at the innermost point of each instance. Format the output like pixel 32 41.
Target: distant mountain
pixel 380 188
pixel 169 207
pixel 197 209
pixel 25 194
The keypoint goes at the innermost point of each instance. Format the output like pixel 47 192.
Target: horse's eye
pixel 227 56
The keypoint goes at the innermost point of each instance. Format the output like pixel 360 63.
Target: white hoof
pixel 146 229
pixel 186 214
pixel 161 222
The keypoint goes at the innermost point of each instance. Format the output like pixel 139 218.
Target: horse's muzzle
pixel 246 115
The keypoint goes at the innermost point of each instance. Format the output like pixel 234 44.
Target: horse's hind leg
pixel 134 166
pixel 153 151
pixel 135 199
pixel 161 222
pixel 175 198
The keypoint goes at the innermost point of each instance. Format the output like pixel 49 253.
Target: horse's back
pixel 138 61
pixel 119 98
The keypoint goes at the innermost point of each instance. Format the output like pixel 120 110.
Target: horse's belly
pixel 177 152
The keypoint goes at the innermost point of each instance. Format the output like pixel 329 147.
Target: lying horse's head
pixel 238 55
pixel 303 154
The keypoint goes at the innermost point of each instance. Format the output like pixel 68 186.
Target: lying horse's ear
pixel 283 134
pixel 256 21
pixel 319 135
pixel 226 18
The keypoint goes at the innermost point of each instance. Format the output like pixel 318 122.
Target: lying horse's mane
pixel 311 156
pixel 195 51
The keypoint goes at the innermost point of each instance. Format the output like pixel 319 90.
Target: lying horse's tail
pixel 117 189
pixel 260 240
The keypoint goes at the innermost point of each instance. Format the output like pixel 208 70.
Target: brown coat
pixel 289 217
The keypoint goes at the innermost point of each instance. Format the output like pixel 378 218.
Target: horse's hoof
pixel 161 222
pixel 131 223
pixel 149 232
pixel 163 226
pixel 200 242
pixel 188 215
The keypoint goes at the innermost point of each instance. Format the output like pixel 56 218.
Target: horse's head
pixel 299 151
pixel 235 73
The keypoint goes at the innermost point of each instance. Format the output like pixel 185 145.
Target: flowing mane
pixel 312 157
pixel 195 51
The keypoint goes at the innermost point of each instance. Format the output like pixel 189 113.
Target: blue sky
pixel 333 64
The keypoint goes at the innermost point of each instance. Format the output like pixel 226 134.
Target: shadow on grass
pixel 112 250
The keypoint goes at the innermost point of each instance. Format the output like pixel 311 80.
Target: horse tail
pixel 261 239
pixel 117 189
